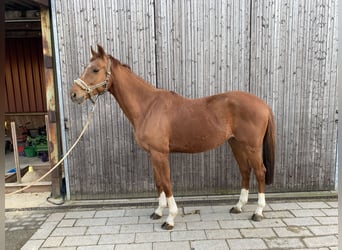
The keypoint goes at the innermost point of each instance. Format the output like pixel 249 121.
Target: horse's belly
pixel 195 143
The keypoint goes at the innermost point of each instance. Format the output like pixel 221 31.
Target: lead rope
pixel 90 117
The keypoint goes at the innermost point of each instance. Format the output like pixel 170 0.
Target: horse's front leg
pixel 162 174
pixel 158 213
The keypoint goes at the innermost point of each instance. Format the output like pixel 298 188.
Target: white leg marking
pixel 243 199
pixel 173 211
pixel 261 204
pixel 162 204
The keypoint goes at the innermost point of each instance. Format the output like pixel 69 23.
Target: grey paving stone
pixel 201 209
pixel 331 211
pixel 231 224
pixel 152 237
pixel 109 213
pixel 147 220
pixel 321 241
pixel 81 240
pixel 32 244
pixel 223 234
pixel 277 214
pixel 67 223
pixel 196 225
pixel 209 244
pixel 333 204
pixel 284 206
pixel 91 222
pixel 251 206
pixel 42 233
pixel 67 231
pixel 122 220
pixel 103 229
pixel 53 241
pixel 222 208
pixel 179 245
pixel 317 204
pixel 58 248
pixel 80 214
pixel 187 218
pixel 242 216
pixel 117 238
pixel 216 216
pixel 188 235
pixel 324 230
pixel 136 228
pixel 55 217
pixel 257 232
pixel 141 246
pixel 246 244
pixel 331 220
pixel 198 210
pixel 48 224
pixel 284 243
pixel 292 231
pixel 140 211
pixel 304 221
pixel 97 247
pixel 307 212
pixel 268 223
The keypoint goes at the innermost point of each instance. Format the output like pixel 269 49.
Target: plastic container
pixel 30 152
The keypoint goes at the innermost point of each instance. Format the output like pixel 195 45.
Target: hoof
pixel 166 226
pixel 155 216
pixel 235 210
pixel 257 217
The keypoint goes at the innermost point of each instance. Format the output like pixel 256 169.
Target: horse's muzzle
pixel 76 99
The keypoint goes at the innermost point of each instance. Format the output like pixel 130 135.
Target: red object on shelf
pixel 21 149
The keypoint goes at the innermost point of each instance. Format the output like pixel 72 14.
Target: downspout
pixel 60 94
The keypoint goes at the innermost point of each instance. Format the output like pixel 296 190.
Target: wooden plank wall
pixel 293 67
pixel 283 51
pixel 24 76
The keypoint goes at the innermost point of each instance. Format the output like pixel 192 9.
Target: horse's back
pixel 197 125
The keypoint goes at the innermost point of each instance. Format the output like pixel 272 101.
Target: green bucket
pixel 30 151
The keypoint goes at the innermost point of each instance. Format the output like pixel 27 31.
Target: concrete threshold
pixel 181 201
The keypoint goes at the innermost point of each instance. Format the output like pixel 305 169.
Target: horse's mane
pixel 117 62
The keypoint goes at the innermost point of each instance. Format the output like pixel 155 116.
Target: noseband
pixel 89 88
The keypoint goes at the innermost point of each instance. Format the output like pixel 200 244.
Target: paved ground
pixel 292 224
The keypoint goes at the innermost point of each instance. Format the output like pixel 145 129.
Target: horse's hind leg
pixel 260 173
pixel 161 169
pixel 250 158
pixel 245 171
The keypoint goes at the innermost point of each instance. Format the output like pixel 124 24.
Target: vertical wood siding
pixel 24 78
pixel 293 67
pixel 283 51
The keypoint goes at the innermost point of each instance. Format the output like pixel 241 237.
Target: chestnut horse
pixel 166 122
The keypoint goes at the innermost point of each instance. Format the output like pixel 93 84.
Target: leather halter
pixel 89 88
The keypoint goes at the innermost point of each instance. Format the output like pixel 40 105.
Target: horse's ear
pixel 100 51
pixel 93 52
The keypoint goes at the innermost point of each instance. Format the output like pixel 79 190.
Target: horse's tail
pixel 268 151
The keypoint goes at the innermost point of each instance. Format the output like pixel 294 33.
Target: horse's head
pixel 94 79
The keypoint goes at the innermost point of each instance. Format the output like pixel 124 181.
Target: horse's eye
pixel 96 70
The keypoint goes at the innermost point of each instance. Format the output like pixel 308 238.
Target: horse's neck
pixel 132 93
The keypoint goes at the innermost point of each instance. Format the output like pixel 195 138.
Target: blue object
pixel 12 170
